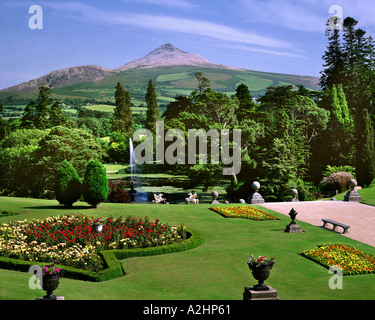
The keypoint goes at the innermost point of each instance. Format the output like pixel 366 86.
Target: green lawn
pixel 367 194
pixel 215 270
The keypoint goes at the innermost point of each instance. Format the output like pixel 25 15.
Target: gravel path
pixel 360 217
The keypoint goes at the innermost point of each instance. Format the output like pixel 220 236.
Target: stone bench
pixel 336 224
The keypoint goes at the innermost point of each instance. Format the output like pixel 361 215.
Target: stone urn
pixel 261 272
pixel 293 227
pixel 50 284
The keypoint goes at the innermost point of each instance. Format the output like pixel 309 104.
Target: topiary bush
pixel 95 186
pixel 68 185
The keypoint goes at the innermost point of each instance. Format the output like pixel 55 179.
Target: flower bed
pixel 71 240
pixel 245 212
pixel 349 259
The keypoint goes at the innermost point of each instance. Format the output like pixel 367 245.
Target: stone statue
pixel 192 198
pixel 158 198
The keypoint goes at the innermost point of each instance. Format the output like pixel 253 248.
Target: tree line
pixel 291 138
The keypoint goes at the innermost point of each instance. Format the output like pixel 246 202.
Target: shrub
pixel 338 180
pixel 332 169
pixel 95 186
pixel 303 188
pixel 68 185
pixel 117 192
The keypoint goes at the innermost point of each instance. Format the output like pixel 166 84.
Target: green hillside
pixel 171 81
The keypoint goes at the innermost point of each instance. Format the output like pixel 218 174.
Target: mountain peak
pixel 165 56
pixel 168 47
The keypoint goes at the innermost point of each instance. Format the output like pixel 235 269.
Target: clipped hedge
pixel 113 268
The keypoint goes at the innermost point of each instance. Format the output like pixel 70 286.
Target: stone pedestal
pixel 293 228
pixel 353 195
pixel 57 298
pixel 255 197
pixel 250 294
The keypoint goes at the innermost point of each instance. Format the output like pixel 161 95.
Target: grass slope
pixel 215 270
pixel 174 80
pixel 367 194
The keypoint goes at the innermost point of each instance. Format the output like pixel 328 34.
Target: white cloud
pixel 199 28
pixel 179 4
pixel 306 15
pixel 281 53
pixel 298 15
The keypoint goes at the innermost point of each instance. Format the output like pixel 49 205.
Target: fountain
pixel 136 196
pixel 132 166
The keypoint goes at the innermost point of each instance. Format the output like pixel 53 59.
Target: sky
pixel 265 35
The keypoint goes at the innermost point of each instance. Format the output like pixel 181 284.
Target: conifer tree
pixel 346 118
pixel 68 185
pixel 338 137
pixel 57 116
pixel 42 108
pixel 246 102
pixel 333 58
pixel 95 186
pixel 122 117
pixel 365 149
pixel 152 108
pixel 28 116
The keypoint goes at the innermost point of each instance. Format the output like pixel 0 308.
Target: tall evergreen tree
pixel 346 118
pixel 152 107
pixel 365 149
pixel 28 118
pixel 42 108
pixel 246 102
pixel 122 117
pixel 337 140
pixel 57 116
pixel 333 58
pixel 350 61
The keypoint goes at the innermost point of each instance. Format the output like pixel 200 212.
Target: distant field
pixel 101 107
pixel 108 108
pixel 172 77
pixel 255 83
